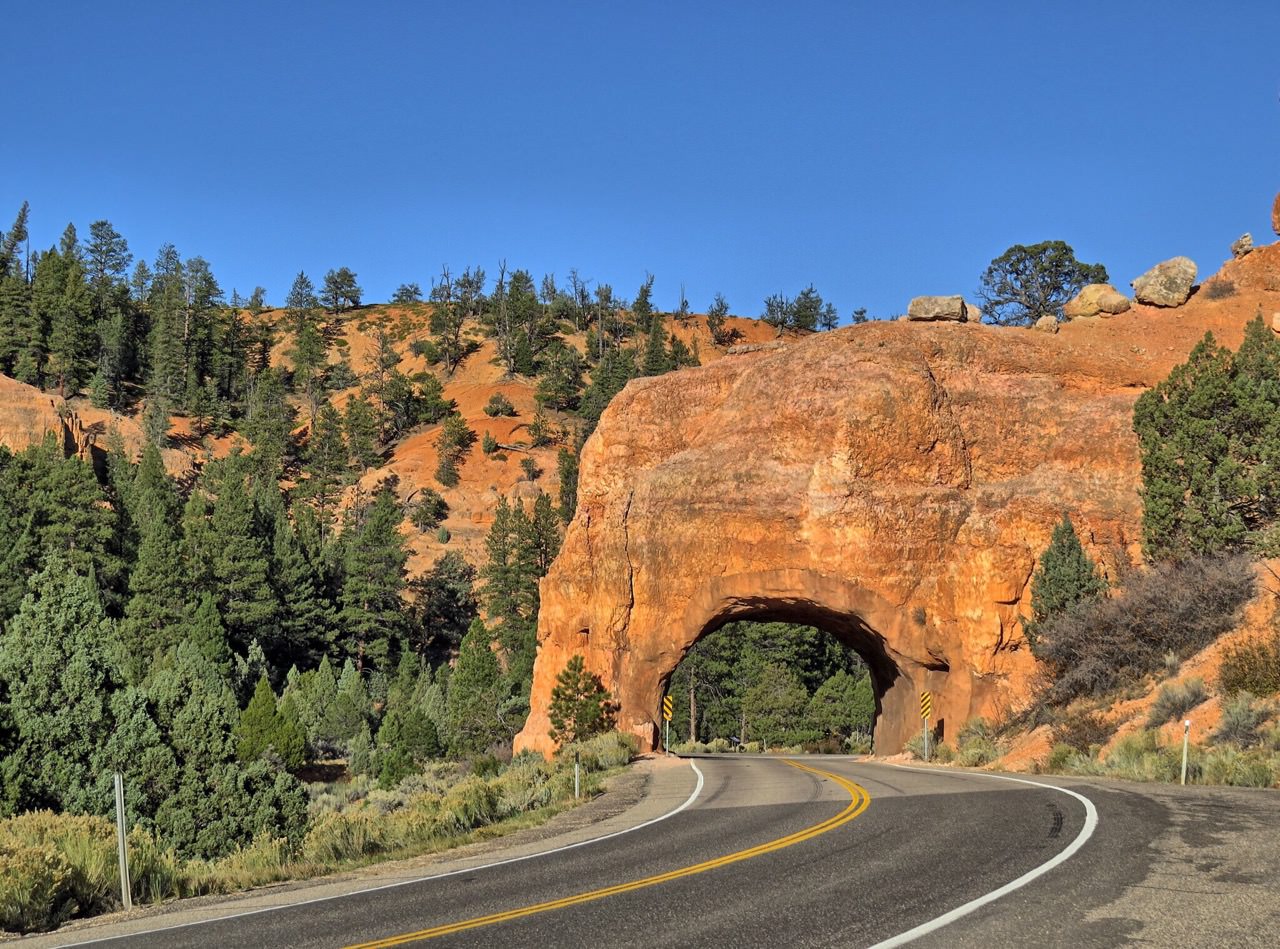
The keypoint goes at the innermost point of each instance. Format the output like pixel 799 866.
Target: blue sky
pixel 876 150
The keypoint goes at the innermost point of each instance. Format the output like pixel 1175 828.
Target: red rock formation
pixel 27 415
pixel 892 482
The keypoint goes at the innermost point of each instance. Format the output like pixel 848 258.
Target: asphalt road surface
pixel 816 851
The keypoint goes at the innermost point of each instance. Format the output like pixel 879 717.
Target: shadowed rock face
pixel 893 483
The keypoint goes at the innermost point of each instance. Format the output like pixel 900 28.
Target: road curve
pixel 737 851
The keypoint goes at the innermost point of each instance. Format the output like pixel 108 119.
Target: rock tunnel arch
pixel 893 484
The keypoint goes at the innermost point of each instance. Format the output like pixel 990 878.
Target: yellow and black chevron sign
pixel 926 705
pixel 666 707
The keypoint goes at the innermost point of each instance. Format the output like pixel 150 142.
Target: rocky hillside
pixel 27 413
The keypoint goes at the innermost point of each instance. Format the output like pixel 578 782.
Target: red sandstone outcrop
pixel 27 415
pixel 892 482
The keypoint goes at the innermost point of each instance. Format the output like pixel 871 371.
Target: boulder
pixel 28 415
pixel 939 308
pixel 1047 324
pixel 1097 299
pixel 1168 283
pixel 1242 245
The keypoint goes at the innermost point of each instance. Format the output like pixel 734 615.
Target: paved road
pixel 826 852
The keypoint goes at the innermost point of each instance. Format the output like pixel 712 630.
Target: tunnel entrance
pixel 768 685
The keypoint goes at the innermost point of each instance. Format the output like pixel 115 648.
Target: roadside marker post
pixel 926 710
pixel 125 890
pixel 577 775
pixel 666 717
pixel 1186 738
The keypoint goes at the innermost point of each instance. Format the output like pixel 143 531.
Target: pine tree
pixel 240 563
pixel 1066 576
pixel 258 723
pixel 717 314
pixel 374 558
pixel 326 464
pixel 301 304
pixel 567 471
pixel 445 605
pixel 475 695
pixel 656 358
pixel 1209 435
pixel 452 444
pixel 340 291
pixel 306 616
pixel 362 433
pixel 579 704
pixel 167 303
pixel 55 660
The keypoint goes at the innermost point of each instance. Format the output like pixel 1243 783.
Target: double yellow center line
pixel 859 799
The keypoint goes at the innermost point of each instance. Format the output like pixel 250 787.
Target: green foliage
pixel 580 704
pixel 567 471
pixel 1175 701
pixel 340 291
pixel 373 565
pixel 774 708
pixel 1251 665
pixel 489 444
pixel 445 605
pixel 1209 435
pixel 1101 643
pixel 499 404
pixel 264 729
pixel 407 293
pixel 429 510
pixel 455 439
pixel 1028 282
pixel 1242 717
pixel 723 666
pixel 1066 576
pixel 843 704
pixel 406 741
pixel 56 662
pixel 476 695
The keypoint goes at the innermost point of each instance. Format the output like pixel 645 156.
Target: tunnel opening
pixel 764 674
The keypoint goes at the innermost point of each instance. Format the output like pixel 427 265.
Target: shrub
pixel 1082 731
pixel 1219 289
pixel 443 535
pixel 1228 765
pixel 530 469
pixel 499 404
pixel 430 509
pixel 427 349
pixel 858 744
pixel 33 888
pixel 488 444
pixel 1251 666
pixel 1242 716
pixel 1175 701
pixel 975 745
pixel 1099 645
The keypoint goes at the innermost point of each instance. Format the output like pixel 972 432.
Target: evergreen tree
pixel 269 420
pixel 301 304
pixel 579 704
pixel 452 444
pixel 306 615
pixel 340 291
pixel 774 708
pixel 407 293
pixel 642 310
pixel 240 562
pixel 717 314
pixel 326 465
pixel 351 709
pixel 262 729
pixel 1210 444
pixel 656 358
pixel 362 433
pixel 310 356
pixel 567 471
pixel 1066 577
pixel 374 558
pixel 445 605
pixel 407 739
pixel 55 659
pixel 476 695
pixel 167 305
pixel 842 705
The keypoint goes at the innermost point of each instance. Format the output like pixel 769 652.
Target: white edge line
pixel 946 919
pixel 697 790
